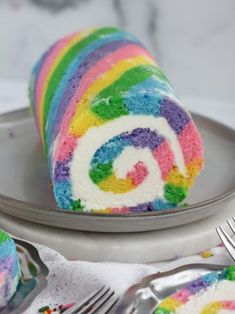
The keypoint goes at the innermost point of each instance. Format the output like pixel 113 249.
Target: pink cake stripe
pixel 165 158
pixel 67 147
pixel 229 305
pixel 98 70
pixel 2 276
pixel 138 173
pixel 45 69
pixel 191 143
pixel 123 210
pixel 182 296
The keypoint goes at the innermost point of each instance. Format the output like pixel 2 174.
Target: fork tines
pixel 100 301
pixel 228 242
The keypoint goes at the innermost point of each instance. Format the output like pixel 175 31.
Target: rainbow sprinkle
pixel 47 309
pixel 116 137
pixel 206 254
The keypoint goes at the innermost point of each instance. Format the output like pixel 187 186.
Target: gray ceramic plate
pixel 33 278
pixel 25 191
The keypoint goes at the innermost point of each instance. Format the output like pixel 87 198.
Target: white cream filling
pixel 84 189
pixel 223 291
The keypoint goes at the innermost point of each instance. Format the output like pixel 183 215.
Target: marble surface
pixel 193 41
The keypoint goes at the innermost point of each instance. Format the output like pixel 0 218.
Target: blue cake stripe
pixel 142 98
pixel 109 151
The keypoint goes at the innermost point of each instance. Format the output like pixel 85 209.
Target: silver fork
pixel 228 242
pixel 99 302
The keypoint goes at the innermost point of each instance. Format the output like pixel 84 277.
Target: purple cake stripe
pixel 140 208
pixel 87 64
pixel 7 264
pixel 62 170
pixel 176 116
pixel 197 285
pixel 144 137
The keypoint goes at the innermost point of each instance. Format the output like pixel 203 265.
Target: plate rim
pixel 164 212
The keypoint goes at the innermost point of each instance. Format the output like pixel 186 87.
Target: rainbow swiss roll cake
pixel 116 137
pixel 9 269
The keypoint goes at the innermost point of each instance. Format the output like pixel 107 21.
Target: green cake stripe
pixel 101 172
pixel 3 236
pixel 65 62
pixel 115 107
pixel 174 194
pixel 230 273
pixel 77 206
pixel 162 311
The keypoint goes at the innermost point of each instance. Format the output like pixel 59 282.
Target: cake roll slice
pixel 116 137
pixel 9 269
pixel 214 293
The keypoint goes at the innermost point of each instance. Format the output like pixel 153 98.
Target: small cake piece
pixel 211 294
pixel 116 136
pixel 9 269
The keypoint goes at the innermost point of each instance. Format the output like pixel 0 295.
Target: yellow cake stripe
pixel 192 170
pixel 116 185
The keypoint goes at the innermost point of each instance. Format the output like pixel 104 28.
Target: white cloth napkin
pixel 71 281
